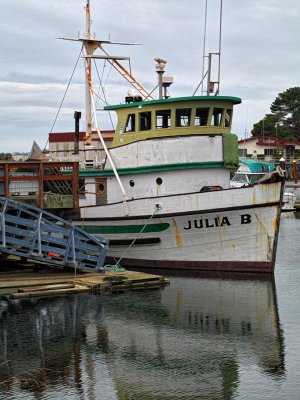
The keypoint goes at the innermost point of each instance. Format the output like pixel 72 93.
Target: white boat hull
pixel 234 229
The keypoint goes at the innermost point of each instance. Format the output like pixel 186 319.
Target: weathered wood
pixel 47 293
pixel 47 287
pixel 24 287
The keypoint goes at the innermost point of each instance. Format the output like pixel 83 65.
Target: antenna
pixel 204 43
pixel 210 88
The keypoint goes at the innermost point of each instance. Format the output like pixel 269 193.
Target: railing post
pixel 39 234
pixel 3 224
pixel 6 180
pixel 41 184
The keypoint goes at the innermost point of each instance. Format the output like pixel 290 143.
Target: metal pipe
pixel 77 116
pixel 88 114
pixel 220 39
pixel 100 136
pixel 203 55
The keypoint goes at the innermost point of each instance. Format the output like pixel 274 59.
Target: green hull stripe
pixel 153 168
pixel 96 229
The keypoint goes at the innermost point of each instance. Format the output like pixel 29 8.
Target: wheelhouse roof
pixel 234 100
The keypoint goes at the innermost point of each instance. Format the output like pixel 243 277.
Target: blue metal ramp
pixel 37 235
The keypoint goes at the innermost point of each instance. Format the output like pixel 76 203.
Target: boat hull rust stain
pixel 178 237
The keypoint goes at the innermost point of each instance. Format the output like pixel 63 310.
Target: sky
pixel 260 57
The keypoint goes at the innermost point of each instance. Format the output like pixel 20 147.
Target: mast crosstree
pixel 90 45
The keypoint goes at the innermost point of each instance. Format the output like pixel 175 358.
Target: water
pixel 207 337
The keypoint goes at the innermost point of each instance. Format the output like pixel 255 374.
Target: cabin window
pixel 228 116
pixel 217 116
pixel 183 117
pixel 163 119
pixel 130 123
pixel 201 116
pixel 100 188
pixel 145 121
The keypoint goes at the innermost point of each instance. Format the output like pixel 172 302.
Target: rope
pixel 115 267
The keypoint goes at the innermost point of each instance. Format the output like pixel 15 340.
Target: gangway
pixel 36 235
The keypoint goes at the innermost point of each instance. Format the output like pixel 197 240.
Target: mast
pixel 89 52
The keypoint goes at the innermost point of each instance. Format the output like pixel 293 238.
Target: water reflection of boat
pixel 192 337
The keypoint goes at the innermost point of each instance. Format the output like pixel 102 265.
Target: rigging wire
pixel 61 103
pixel 103 87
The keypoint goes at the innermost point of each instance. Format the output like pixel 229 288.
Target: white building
pixel 266 147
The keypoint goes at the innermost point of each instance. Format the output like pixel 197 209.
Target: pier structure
pixel 28 233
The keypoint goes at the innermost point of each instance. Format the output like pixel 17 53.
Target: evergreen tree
pixel 6 156
pixel 284 120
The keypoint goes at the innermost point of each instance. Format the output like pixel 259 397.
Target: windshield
pixel 241 178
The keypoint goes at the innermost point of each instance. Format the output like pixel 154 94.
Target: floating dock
pixel 28 285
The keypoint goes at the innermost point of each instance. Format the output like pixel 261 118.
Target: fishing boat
pixel 163 196
pixel 252 171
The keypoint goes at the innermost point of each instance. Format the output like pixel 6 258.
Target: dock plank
pixel 24 285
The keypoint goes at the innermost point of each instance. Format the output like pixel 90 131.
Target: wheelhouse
pixel 141 120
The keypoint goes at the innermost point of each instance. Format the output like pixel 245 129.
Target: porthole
pixel 131 183
pixel 101 187
pixel 159 181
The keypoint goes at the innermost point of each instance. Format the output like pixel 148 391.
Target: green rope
pixel 157 208
pixel 114 267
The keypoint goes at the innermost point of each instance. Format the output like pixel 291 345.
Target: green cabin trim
pixel 230 99
pixel 151 168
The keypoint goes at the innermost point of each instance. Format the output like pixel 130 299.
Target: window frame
pixel 178 117
pixel 129 116
pixel 148 118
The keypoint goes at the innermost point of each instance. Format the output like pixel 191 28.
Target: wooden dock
pixel 26 285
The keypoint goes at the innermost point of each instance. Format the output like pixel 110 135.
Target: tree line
pixel 284 119
pixel 6 156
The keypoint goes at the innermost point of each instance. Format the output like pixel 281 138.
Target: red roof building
pixel 67 146
pixel 269 146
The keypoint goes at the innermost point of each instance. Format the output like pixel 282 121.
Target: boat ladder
pixel 31 233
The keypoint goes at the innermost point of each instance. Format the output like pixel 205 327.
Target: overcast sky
pixel 260 56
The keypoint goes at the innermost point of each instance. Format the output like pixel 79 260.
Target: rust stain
pixel 178 237
pixel 264 231
pixel 254 196
pixel 274 224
